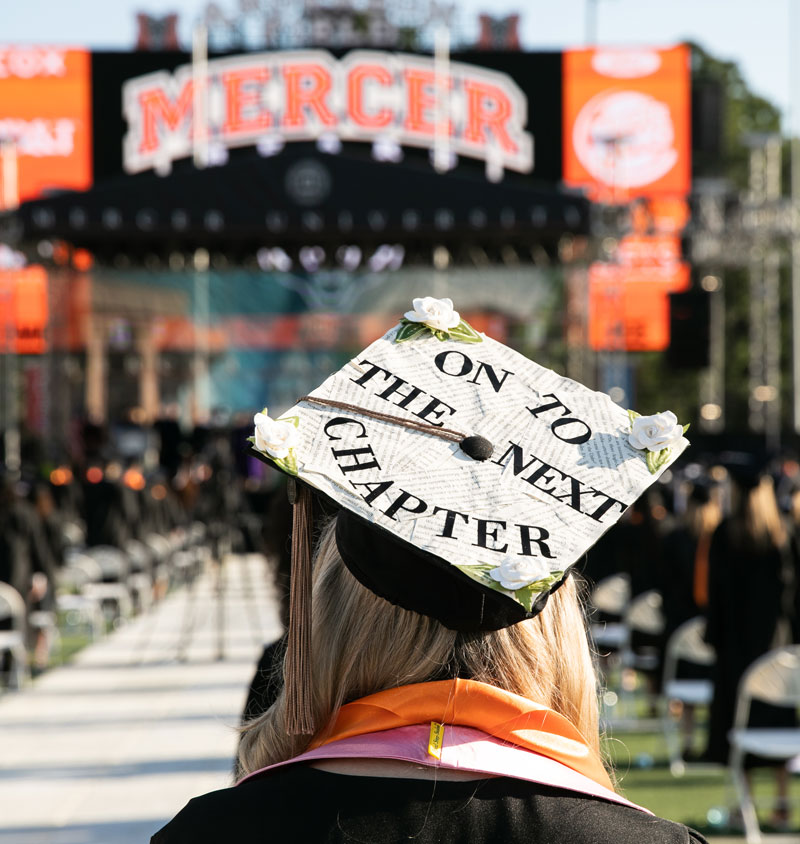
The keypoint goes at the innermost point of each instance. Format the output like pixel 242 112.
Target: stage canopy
pixel 297 199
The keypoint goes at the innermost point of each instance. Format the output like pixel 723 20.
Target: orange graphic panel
pixel 670 214
pixel 23 310
pixel 46 111
pixel 626 119
pixel 649 250
pixel 629 306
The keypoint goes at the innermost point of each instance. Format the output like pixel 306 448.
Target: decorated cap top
pixel 469 478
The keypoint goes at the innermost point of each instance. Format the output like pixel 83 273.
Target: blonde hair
pixel 703 517
pixel 762 517
pixel 361 644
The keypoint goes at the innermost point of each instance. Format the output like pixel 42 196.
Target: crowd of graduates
pixel 719 540
pixel 124 485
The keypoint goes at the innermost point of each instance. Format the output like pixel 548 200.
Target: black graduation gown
pixel 677 579
pixel 307 805
pixel 745 605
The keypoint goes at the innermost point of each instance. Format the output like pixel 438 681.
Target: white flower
pixel 435 313
pixel 518 572
pixel 656 432
pixel 274 437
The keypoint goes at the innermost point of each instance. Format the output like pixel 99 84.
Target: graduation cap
pixel 746 468
pixel 470 479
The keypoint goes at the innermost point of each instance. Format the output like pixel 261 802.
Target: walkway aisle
pixel 106 749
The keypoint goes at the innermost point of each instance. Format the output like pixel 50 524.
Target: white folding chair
pixel 12 642
pixel 614 641
pixel 45 622
pixel 773 678
pixel 72 599
pixel 686 643
pixel 111 589
pixel 644 615
pixel 161 551
pixel 611 595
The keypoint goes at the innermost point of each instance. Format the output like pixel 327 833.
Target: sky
pixel 755 33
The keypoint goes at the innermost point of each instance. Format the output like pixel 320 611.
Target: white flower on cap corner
pixel 437 314
pixel 518 572
pixel 273 436
pixel 656 432
pixel 656 435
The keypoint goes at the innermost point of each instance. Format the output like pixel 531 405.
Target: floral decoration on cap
pixel 438 317
pixel 519 578
pixel 657 434
pixel 278 438
pixel 524 577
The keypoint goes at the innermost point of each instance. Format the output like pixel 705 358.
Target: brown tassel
pixel 299 712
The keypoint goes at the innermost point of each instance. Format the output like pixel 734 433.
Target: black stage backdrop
pixel 252 201
pixel 537 74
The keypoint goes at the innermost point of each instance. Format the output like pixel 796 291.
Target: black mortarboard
pixel 745 468
pixel 469 478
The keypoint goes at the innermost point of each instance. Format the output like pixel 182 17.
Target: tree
pixel 725 113
pixel 741 113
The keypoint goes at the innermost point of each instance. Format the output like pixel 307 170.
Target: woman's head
pixel 361 644
pixel 757 518
pixel 762 514
pixel 703 512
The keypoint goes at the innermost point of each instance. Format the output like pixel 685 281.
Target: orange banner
pixel 46 111
pixel 23 310
pixel 626 119
pixel 629 306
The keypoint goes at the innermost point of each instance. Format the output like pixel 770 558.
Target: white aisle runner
pixel 106 749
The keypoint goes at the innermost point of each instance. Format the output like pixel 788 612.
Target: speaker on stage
pixel 689 330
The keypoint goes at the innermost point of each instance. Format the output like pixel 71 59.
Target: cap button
pixel 476 447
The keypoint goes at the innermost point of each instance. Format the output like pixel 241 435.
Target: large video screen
pixel 46 113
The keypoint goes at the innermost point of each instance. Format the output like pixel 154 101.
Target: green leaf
pixel 288 463
pixel 656 459
pixel 481 567
pixel 295 420
pixel 480 573
pixel 409 330
pixel 632 414
pixel 465 333
pixel 686 427
pixel 251 440
pixel 527 594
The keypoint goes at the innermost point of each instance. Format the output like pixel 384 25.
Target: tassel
pixel 299 712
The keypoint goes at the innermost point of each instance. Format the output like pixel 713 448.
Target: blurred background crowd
pixel 710 556
pixel 206 209
pixel 124 510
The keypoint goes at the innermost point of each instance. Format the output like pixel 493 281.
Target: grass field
pixel 703 799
